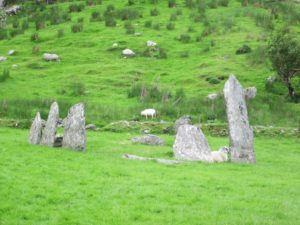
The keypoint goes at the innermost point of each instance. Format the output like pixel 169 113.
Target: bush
pixel 16 32
pixel 35 37
pixel 190 4
pixel 148 24
pixel 154 12
pixel 185 38
pixel 5 75
pixel 76 7
pixel 258 56
pixel 173 17
pixel 171 3
pixel 25 25
pixel 39 25
pixel 243 50
pixel 223 3
pixel 60 33
pixel 129 28
pixel 156 26
pixel 213 4
pixel 170 26
pixel 16 23
pixel 128 14
pixel 77 28
pixel 96 16
pixel 80 20
pixel 212 80
pixel 35 50
pixel 110 21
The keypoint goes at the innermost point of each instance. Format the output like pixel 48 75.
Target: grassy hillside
pixel 40 185
pixel 198 54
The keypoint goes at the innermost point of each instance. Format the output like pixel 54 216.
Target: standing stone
pixel 191 144
pixel 74 133
pixel 240 132
pixel 184 120
pixel 35 134
pixel 48 137
pixel 1 4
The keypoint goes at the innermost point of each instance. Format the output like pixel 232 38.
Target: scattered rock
pixel 48 137
pixel 2 58
pixel 240 132
pixel 163 161
pixel 250 92
pixel 128 53
pixel 191 144
pixel 137 34
pixel 91 127
pixel 35 133
pixel 243 50
pixel 11 52
pixel 115 45
pixel 50 57
pixel 13 10
pixel 148 139
pixel 14 66
pixel 74 133
pixel 184 120
pixel 151 44
pixel 212 96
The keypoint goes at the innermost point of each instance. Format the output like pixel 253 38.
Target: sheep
pixel 148 112
pixel 221 155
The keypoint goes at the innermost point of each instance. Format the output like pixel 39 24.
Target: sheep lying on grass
pixel 221 155
pixel 148 112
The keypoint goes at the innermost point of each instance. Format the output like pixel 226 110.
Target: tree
pixel 284 53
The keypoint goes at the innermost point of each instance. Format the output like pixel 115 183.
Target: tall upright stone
pixel 35 134
pixel 1 4
pixel 74 133
pixel 48 137
pixel 191 144
pixel 240 132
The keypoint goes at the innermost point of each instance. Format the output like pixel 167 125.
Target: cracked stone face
pixel 35 133
pixel 240 132
pixel 74 134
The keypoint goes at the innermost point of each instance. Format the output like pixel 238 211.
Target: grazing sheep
pixel 221 155
pixel 148 112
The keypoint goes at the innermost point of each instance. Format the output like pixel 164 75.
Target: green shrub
pixel 76 7
pixel 25 25
pixel 110 21
pixel 77 28
pixel 35 37
pixel 16 23
pixel 171 3
pixel 223 3
pixel 212 80
pixel 170 26
pixel 185 38
pixel 148 24
pixel 156 26
pixel 80 20
pixel 129 28
pixel 243 50
pixel 173 17
pixel 213 4
pixel 190 4
pixel 39 25
pixel 60 33
pixel 130 2
pixel 95 16
pixel 154 12
pixel 128 14
pixel 35 50
pixel 77 88
pixel 16 32
pixel 5 75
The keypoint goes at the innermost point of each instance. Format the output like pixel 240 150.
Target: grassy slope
pixel 40 185
pixel 107 76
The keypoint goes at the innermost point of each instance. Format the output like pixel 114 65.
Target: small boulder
pixel 11 52
pixel 115 45
pixel 184 120
pixel 212 96
pixel 91 127
pixel 151 44
pixel 128 52
pixel 2 58
pixel 148 139
pixel 250 92
pixel 51 57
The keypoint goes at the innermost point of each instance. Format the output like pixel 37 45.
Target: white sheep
pixel 221 155
pixel 148 112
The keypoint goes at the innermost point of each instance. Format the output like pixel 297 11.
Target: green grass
pixel 40 185
pixel 106 77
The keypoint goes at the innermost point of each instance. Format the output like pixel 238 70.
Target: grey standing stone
pixel 184 120
pixel 74 133
pixel 48 137
pixel 191 144
pixel 36 130
pixel 240 132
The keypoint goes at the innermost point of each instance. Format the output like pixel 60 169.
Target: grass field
pixel 40 185
pixel 91 72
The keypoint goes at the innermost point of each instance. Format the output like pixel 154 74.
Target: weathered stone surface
pixel 51 57
pixel 240 132
pixel 128 52
pixel 74 133
pixel 250 92
pixel 148 139
pixel 184 120
pixel 48 137
pixel 2 58
pixel 191 144
pixel 35 133
pixel 1 4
